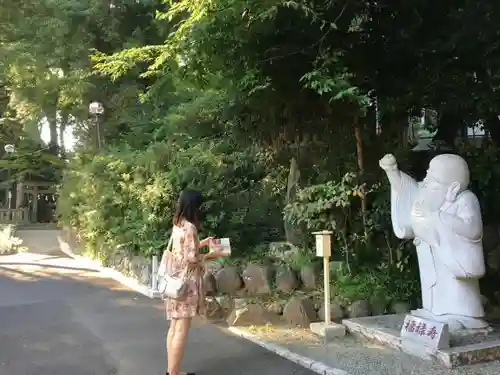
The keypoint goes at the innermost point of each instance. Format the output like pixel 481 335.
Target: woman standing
pixel 184 256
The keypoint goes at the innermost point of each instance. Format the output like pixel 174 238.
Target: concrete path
pixel 57 318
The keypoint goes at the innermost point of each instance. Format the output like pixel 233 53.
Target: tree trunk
pixel 492 125
pixel 450 123
pixel 53 134
pixel 361 168
pixel 62 129
pixel 50 111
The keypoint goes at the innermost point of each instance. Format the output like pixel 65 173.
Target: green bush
pixel 336 206
pixel 382 283
pixel 376 264
pixel 125 198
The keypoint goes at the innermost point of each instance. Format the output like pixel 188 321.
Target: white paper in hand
pixel 226 246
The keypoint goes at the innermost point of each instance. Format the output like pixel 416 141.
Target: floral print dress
pixel 184 256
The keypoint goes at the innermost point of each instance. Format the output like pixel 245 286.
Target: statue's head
pixel 447 176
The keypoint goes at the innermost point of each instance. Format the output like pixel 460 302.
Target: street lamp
pixel 97 110
pixel 9 149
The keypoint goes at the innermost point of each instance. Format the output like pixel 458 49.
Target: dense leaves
pixel 126 198
pixel 221 95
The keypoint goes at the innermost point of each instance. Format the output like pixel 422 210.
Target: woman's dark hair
pixel 188 208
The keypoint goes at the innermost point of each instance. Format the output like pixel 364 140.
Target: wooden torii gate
pixel 22 205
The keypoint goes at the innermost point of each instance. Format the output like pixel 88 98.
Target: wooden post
pixel 326 271
pixel 19 195
pixel 154 273
pixel 324 250
pixel 35 204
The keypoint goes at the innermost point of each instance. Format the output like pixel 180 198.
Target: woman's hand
pixel 206 242
pixel 216 252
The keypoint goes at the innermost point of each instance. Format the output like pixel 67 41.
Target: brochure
pixel 225 244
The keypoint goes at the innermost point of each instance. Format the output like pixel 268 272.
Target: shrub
pixel 376 263
pixel 8 242
pixel 125 198
pixel 384 283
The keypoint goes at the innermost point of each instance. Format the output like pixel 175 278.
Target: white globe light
pixel 9 149
pixel 96 108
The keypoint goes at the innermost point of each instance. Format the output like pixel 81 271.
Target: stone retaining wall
pixel 252 294
pixel 259 295
pixel 123 261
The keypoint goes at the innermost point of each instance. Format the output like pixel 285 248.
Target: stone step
pixel 40 241
pixel 37 226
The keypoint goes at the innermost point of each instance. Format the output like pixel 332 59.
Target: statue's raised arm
pixel 403 192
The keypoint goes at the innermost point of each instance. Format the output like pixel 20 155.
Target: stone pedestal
pixel 464 348
pixel 329 331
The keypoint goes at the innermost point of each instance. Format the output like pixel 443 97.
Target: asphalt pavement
pixel 58 318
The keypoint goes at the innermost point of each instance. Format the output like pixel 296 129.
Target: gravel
pixel 366 358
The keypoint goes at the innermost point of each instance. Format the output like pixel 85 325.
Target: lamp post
pixel 327 329
pixel 97 110
pixel 9 150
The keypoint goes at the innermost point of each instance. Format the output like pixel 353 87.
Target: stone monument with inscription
pixel 444 219
pixel 423 332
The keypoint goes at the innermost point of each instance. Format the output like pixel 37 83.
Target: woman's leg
pixel 177 345
pixel 170 336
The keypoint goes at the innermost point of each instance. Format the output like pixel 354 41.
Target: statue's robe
pixel 450 262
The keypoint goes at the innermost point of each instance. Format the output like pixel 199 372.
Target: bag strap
pixel 170 241
pixel 163 267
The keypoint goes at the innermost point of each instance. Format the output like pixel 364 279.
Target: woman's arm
pixel 192 246
pixel 213 255
pixel 206 241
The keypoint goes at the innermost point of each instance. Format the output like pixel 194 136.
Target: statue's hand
pixel 388 163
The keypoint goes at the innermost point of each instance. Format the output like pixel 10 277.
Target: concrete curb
pixel 129 282
pixel 308 363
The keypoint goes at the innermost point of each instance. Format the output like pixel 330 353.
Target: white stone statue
pixel 444 219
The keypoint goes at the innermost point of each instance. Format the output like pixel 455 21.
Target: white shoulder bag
pixel 171 286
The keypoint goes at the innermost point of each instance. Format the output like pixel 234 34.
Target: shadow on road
pixel 59 319
pixel 43 265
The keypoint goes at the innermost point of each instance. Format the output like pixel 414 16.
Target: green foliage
pixel 32 162
pixel 334 81
pixel 116 200
pixel 372 267
pixel 126 198
pixel 335 206
pixel 325 206
pixel 387 284
pixel 220 95
pixel 485 174
pixel 297 260
pixel 284 255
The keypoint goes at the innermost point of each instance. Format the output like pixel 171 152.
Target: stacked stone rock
pixel 241 297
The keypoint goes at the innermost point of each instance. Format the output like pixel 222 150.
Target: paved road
pixel 57 318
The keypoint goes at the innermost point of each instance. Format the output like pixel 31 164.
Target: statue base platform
pixel 465 348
